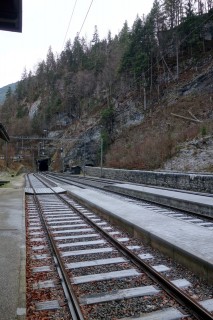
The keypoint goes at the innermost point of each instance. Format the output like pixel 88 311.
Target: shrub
pixel 150 153
pixel 203 131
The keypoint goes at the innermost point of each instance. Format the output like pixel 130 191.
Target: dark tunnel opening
pixel 43 165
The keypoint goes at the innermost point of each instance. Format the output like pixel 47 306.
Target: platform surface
pixel 12 251
pixel 177 194
pixel 44 190
pixel 184 236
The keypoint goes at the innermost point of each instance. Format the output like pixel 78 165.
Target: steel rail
pixel 73 304
pixel 184 299
pixel 180 296
pixel 80 184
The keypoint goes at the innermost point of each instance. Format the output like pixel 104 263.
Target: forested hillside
pixel 143 91
pixel 4 91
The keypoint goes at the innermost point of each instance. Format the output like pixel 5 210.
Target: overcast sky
pixel 45 23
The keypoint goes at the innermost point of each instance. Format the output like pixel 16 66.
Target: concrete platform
pixel 192 202
pixel 188 243
pixel 12 251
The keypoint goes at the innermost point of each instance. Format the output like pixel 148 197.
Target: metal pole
pixel 6 155
pixel 101 156
pixel 62 158
pixel 84 158
pixel 144 92
pixel 33 159
pixel 177 57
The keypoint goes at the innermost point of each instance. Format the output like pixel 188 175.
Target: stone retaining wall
pixel 184 181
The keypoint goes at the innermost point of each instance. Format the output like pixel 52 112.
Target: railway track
pixel 97 183
pixel 81 267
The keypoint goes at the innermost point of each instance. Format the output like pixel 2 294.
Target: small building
pixel 75 170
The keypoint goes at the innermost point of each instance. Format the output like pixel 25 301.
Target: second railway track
pixel 100 184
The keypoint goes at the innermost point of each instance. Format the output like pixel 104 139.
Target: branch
pixel 193 116
pixel 185 118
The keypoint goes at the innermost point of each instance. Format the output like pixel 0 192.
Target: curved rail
pixel 184 299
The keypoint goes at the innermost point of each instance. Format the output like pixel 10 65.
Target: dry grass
pixel 157 139
pixel 149 153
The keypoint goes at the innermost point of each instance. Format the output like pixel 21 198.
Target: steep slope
pixel 158 137
pixel 184 113
pixel 135 99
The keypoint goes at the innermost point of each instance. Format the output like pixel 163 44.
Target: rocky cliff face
pixel 183 114
pixel 87 145
pixel 86 148
pixel 193 156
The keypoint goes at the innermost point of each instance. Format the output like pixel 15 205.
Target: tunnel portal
pixel 43 164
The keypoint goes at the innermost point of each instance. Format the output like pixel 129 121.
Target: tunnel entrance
pixel 43 164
